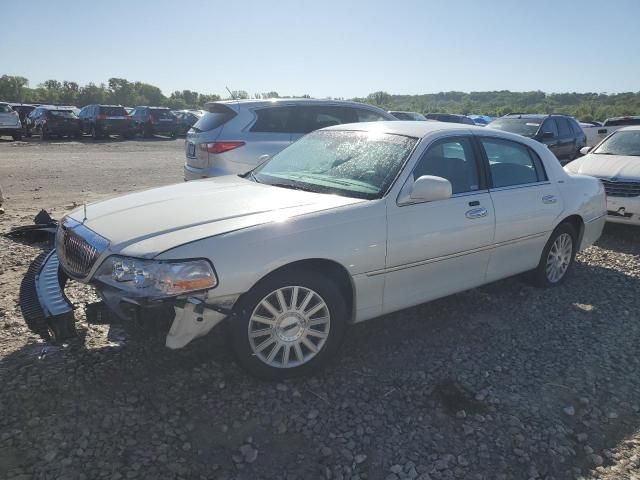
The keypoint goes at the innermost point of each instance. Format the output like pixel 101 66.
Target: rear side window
pixel 577 129
pixel 217 115
pixel 549 126
pixel 563 127
pixel 310 118
pixel 512 163
pixel 365 115
pixel 162 113
pixel 4 108
pixel 272 120
pixel 113 111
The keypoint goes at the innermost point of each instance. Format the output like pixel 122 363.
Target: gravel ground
pixel 505 381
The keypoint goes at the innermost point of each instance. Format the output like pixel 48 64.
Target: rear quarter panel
pixel 584 196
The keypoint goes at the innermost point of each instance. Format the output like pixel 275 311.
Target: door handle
pixel 476 213
pixel 549 199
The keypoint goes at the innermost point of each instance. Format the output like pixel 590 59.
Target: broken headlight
pixel 151 278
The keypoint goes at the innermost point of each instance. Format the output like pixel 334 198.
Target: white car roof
pixel 421 129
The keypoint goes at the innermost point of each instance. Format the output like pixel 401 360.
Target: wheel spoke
pixel 317 333
pixel 306 301
pixel 309 344
pixel 281 300
pixel 294 298
pixel 261 333
pixel 318 321
pixel 315 309
pixel 265 320
pixel 274 352
pixel 285 355
pixel 298 350
pixel 267 305
pixel 265 344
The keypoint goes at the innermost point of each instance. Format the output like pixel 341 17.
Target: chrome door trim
pixel 524 185
pixel 455 255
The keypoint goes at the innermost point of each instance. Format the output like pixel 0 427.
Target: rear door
pixel 566 138
pixel 267 135
pixel 550 138
pixel 526 205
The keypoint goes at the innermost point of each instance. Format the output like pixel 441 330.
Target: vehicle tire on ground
pixel 77 135
pixel 17 137
pixel 128 136
pixel 289 324
pixel 94 133
pixel 28 133
pixel 43 133
pixel 557 257
pixel 147 132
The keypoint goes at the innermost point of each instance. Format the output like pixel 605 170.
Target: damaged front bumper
pixel 49 313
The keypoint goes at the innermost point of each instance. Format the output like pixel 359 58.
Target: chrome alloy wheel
pixel 559 257
pixel 289 327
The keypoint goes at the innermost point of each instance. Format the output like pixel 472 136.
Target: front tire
pixel 289 324
pixel 557 257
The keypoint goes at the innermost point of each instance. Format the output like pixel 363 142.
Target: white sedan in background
pixel 616 162
pixel 349 223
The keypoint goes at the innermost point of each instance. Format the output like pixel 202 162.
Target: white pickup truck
pixel 595 134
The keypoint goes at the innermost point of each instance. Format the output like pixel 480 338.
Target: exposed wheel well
pixel 577 223
pixel 330 269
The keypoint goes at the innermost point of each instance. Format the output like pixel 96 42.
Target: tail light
pixel 102 117
pixel 220 147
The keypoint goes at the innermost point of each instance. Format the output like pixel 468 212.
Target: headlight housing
pixel 157 279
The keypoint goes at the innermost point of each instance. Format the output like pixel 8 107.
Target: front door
pixel 438 248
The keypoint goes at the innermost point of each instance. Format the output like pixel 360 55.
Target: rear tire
pixel 17 137
pixel 557 257
pixel 313 317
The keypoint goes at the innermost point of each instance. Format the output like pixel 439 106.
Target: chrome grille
pixel 78 247
pixel 621 188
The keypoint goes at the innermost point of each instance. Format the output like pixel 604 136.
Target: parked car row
pixel 99 121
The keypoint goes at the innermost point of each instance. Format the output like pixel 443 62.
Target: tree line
pixel 584 106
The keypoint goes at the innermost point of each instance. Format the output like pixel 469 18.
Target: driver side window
pixel 453 159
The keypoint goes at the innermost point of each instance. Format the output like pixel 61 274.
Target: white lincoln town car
pixel 349 223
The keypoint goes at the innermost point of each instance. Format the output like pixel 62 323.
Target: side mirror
pixel 585 150
pixel 428 188
pixel 548 135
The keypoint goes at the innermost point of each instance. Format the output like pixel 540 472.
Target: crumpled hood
pixel 607 166
pixel 148 222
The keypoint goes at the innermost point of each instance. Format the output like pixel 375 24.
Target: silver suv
pixel 234 136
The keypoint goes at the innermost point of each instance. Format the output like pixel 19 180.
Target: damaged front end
pixel 130 288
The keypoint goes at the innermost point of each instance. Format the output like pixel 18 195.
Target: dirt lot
pixel 506 381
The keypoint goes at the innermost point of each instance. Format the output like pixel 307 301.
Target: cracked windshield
pixel 349 163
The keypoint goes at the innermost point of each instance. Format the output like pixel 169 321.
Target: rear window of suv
pixel 61 113
pixel 113 111
pixel 217 115
pixel 617 122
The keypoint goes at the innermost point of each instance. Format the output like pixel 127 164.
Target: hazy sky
pixel 337 48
